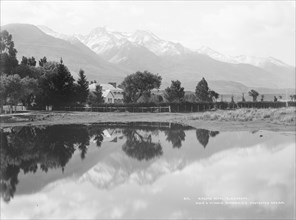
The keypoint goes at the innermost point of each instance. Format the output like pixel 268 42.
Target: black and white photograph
pixel 147 109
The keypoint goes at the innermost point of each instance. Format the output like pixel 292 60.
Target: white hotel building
pixel 110 92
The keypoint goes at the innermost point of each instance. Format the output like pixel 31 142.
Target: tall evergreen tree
pixel 82 87
pixel 64 83
pixel 202 91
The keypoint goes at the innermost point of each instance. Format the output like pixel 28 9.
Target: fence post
pixel 170 108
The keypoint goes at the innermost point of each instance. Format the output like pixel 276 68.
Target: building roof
pixel 106 92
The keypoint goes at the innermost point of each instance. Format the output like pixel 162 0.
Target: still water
pixel 145 170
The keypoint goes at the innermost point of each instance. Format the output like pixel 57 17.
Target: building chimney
pixel 113 84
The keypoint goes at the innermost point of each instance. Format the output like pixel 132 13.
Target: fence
pixel 264 104
pixel 172 107
pixel 116 109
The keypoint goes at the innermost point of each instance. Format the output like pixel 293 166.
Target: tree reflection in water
pixel 28 149
pixel 175 136
pixel 204 135
pixel 49 147
pixel 140 146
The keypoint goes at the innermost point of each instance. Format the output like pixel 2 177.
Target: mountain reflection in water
pixel 144 170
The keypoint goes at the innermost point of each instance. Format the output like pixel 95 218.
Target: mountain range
pixel 107 55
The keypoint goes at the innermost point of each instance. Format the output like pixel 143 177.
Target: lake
pixel 146 170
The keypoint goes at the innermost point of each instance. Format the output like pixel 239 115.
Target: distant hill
pixel 228 88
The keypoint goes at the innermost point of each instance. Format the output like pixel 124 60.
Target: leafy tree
pixel 8 59
pixel 174 93
pixel 139 84
pixel 2 91
pixel 26 70
pixel 213 95
pixel 15 89
pixel 96 97
pixel 56 86
pixel 203 93
pixel 30 88
pixel 42 61
pixel 254 94
pixel 82 87
pixel 50 67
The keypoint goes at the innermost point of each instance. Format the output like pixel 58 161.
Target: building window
pixel 110 100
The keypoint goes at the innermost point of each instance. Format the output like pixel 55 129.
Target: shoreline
pixel 192 119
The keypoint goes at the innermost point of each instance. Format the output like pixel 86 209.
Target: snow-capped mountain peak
pixel 102 39
pixel 105 42
pixel 55 34
pixel 259 61
pixel 243 59
pixel 216 55
pixel 156 45
pixel 142 36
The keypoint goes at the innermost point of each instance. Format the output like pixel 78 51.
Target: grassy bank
pixel 279 116
pixel 226 120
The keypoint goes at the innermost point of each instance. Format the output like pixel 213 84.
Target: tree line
pixel 49 83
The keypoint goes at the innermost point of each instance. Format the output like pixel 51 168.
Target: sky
pixel 255 28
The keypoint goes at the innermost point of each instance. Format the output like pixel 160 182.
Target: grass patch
pixel 279 115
